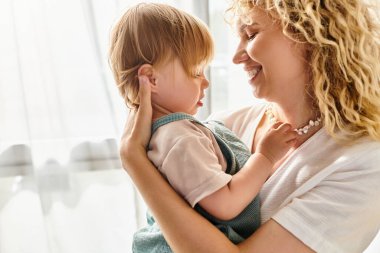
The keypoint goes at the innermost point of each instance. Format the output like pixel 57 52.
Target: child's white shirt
pixel 188 156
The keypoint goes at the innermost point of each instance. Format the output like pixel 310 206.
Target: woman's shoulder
pixel 362 148
pixel 363 151
pixel 367 152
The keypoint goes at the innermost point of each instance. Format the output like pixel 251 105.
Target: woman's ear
pixel 148 71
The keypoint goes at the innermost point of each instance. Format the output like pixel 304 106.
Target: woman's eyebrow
pixel 243 27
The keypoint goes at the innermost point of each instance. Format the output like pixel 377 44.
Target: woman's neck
pixel 298 115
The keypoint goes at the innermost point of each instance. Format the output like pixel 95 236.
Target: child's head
pixel 156 34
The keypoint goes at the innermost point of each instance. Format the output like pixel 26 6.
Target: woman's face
pixel 275 65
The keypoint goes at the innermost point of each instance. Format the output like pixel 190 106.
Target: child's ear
pixel 148 71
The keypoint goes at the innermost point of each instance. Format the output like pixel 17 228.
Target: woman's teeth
pixel 252 73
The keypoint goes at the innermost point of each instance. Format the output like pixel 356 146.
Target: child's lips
pixel 200 103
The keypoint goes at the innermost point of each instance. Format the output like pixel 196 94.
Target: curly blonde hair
pixel 152 33
pixel 342 40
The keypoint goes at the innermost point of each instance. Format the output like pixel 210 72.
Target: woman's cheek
pixel 258 49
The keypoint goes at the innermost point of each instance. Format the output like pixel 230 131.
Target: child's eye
pixel 198 73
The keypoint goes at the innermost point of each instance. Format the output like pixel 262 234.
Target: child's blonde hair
pixel 151 33
pixel 342 39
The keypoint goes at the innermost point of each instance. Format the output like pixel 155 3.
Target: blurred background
pixel 62 188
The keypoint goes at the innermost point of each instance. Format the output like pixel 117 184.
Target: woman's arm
pixel 184 229
pixel 271 237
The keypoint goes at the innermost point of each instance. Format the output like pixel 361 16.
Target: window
pixel 229 84
pixel 62 188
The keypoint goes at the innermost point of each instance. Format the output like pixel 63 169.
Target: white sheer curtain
pixel 62 188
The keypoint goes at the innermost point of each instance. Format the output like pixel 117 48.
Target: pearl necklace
pixel 300 131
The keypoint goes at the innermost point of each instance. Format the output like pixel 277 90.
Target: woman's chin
pixel 257 93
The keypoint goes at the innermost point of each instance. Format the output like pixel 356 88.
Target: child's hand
pixel 137 130
pixel 277 141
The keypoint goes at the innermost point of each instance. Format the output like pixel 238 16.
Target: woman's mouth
pixel 253 73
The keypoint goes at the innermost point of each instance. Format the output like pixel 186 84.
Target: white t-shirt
pixel 188 156
pixel 325 194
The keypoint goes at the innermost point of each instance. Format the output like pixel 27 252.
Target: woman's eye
pixel 251 36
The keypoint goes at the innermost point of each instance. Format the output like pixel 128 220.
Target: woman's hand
pixel 137 130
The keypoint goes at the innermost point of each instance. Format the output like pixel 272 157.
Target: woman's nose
pixel 240 56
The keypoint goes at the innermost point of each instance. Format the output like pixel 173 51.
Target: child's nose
pixel 205 83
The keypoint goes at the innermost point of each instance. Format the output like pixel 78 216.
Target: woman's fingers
pixel 145 93
pixel 126 146
pixel 137 129
pixel 129 123
pixel 143 117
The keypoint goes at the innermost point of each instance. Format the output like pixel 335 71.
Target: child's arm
pixel 230 200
